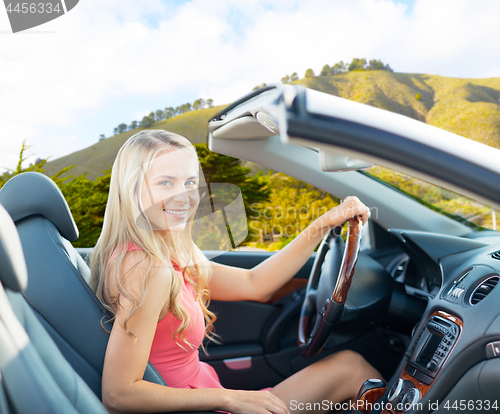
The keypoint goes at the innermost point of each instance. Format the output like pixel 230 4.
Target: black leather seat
pixel 57 289
pixel 35 377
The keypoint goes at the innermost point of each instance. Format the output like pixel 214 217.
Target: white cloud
pixel 103 53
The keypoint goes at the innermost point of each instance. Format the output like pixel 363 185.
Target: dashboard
pixel 454 354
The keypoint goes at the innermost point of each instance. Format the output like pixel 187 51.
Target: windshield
pixel 460 208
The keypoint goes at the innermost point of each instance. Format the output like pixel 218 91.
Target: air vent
pixel 483 290
pixel 495 255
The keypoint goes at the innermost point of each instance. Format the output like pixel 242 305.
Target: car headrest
pixel 13 273
pixel 33 193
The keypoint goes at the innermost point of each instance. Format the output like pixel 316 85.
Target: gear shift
pixel 369 393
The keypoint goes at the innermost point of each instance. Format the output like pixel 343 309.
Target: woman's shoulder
pixel 123 248
pixel 132 247
pixel 138 261
pixel 137 265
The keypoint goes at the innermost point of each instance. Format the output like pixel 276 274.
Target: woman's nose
pixel 181 197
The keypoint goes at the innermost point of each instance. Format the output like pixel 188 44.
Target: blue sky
pixel 106 62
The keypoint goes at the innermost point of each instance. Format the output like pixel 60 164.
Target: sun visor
pixel 246 127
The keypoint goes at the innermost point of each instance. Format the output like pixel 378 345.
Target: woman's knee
pixel 350 358
pixel 354 363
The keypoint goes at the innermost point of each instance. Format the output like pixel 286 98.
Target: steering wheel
pixel 327 288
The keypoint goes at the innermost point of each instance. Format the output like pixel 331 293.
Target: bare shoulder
pixel 138 272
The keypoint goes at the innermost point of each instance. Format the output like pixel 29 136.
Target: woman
pixel 160 310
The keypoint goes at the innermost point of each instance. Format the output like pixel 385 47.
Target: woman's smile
pixel 179 214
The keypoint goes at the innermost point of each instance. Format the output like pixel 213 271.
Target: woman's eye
pixel 165 183
pixel 191 182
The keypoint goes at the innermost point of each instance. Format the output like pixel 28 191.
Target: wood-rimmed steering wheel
pixel 327 288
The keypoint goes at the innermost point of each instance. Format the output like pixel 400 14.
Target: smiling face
pixel 170 191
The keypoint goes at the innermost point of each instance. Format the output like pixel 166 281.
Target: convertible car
pixel 415 291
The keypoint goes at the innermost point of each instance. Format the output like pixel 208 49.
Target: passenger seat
pixel 35 377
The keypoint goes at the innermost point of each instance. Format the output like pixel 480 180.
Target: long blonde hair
pixel 120 227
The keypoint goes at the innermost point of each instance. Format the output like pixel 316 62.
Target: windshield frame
pixel 398 142
pixel 427 204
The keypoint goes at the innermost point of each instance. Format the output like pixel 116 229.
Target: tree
pixel 294 77
pixel 219 168
pixel 210 103
pixel 199 104
pixel 293 205
pixel 309 73
pixel 115 131
pixel 169 112
pixel 159 115
pixel 101 137
pixel 339 67
pixel 86 199
pixel 181 109
pixel 259 86
pixel 376 64
pixel 357 64
pixel 152 116
pixel 121 128
pixel 326 71
pixel 133 125
pixel 360 64
pixel 185 107
pixel 146 122
pixel 285 79
pixel 37 167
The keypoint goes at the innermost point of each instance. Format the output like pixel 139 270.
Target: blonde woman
pixel 157 284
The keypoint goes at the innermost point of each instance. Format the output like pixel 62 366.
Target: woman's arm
pixel 259 283
pixel 124 390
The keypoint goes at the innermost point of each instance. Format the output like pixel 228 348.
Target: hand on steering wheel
pixel 326 295
pixel 350 207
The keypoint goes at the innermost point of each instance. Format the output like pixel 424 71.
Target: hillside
pixel 99 157
pixel 467 107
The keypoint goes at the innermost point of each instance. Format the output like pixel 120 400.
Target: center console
pixel 429 352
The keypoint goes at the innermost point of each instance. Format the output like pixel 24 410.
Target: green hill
pixel 467 107
pixel 99 157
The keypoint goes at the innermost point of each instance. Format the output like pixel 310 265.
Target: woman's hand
pixel 255 402
pixel 349 208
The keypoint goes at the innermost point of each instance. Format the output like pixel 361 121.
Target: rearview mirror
pixel 331 162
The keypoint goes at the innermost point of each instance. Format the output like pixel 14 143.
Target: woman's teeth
pixel 176 212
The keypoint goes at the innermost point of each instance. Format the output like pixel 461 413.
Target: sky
pixel 64 83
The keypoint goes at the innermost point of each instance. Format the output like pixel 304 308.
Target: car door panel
pixel 258 340
pixel 259 375
pixel 241 322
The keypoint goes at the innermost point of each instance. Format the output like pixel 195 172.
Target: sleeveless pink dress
pixel 182 368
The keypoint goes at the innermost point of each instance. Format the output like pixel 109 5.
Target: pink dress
pixel 182 368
